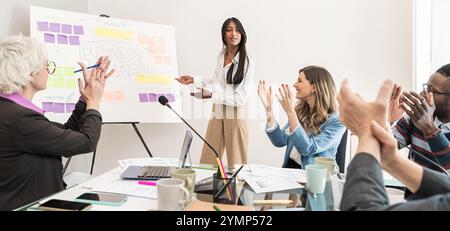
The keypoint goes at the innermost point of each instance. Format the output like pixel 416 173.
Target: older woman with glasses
pixel 31 146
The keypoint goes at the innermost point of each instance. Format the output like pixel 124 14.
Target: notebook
pixel 159 172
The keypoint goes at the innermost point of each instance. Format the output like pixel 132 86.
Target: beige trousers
pixel 227 130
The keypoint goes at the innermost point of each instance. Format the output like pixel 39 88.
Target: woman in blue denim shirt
pixel 313 127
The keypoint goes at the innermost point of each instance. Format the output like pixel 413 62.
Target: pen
pixel 272 202
pixel 148 183
pixel 228 182
pixel 96 65
pixel 216 208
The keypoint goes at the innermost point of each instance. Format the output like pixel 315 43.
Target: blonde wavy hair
pixel 20 57
pixel 312 118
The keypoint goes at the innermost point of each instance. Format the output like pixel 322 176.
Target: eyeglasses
pixel 51 67
pixel 428 88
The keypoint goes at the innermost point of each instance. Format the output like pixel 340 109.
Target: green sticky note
pixel 58 71
pixel 68 71
pixel 50 82
pixel 58 82
pixel 71 83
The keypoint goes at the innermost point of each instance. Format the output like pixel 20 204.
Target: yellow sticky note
pixel 71 83
pixel 114 33
pixel 58 71
pixel 68 71
pixel 58 82
pixel 50 82
pixel 154 79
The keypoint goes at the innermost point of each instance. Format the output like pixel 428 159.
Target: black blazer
pixel 31 147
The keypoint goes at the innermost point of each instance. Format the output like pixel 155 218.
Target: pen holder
pixel 227 194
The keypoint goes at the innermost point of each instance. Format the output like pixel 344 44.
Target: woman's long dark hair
pixel 239 76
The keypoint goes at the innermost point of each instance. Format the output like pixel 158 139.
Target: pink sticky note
pixel 143 98
pixel 62 39
pixel 148 183
pixel 49 38
pixel 70 107
pixel 58 108
pixel 42 26
pixel 47 106
pixel 66 29
pixel 78 30
pixel 55 27
pixel 74 40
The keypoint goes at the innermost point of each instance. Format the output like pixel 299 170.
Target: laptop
pixel 159 172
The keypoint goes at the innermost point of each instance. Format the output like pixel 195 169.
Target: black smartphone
pixel 102 198
pixel 63 205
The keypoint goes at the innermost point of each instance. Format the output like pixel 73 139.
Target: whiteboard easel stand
pixel 137 132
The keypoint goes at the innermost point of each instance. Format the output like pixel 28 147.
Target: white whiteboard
pixel 143 54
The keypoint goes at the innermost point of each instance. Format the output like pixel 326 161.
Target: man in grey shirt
pixel 377 148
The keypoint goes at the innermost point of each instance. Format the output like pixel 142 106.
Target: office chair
pixel 340 153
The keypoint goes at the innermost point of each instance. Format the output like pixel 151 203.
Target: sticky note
pixel 71 83
pixel 154 79
pixel 66 29
pixel 58 71
pixel 68 71
pixel 55 27
pixel 62 39
pixel 70 107
pixel 42 26
pixel 49 38
pixel 143 98
pixel 108 96
pixel 47 106
pixel 114 33
pixel 152 97
pixel 58 82
pixel 170 97
pixel 78 30
pixel 58 108
pixel 118 96
pixel 74 40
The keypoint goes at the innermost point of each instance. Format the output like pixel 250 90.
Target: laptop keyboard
pixel 154 171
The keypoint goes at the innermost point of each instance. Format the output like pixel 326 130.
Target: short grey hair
pixel 19 58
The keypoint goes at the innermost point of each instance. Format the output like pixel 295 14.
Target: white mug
pixel 172 195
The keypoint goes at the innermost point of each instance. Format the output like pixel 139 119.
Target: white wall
pixel 363 40
pixel 15 17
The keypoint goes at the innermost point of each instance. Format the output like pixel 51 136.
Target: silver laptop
pixel 159 172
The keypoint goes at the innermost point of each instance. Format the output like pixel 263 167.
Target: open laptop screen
pixel 185 149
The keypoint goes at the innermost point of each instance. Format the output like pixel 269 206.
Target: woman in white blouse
pixel 229 90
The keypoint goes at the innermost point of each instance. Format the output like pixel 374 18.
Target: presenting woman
pixel 229 89
pixel 31 146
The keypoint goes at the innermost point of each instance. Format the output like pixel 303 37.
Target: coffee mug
pixel 172 195
pixel 188 176
pixel 328 162
pixel 316 176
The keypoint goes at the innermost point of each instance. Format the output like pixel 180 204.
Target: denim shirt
pixel 309 146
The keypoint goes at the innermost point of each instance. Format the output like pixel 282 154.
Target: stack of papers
pixel 264 178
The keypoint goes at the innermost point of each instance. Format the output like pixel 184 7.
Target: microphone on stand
pixel 165 102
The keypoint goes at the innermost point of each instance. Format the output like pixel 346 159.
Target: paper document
pixel 264 179
pixel 128 187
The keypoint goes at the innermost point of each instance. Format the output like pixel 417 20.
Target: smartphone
pixel 102 198
pixel 62 205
